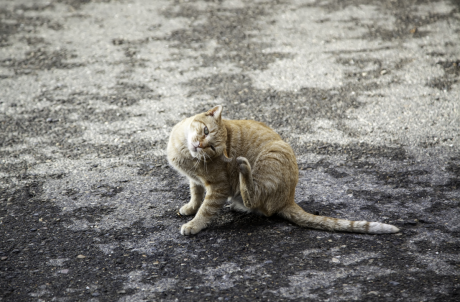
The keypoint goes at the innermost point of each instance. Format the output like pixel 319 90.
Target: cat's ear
pixel 215 112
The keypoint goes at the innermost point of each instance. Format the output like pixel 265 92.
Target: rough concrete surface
pixel 367 92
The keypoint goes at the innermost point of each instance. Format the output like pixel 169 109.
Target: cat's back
pixel 250 129
pixel 249 138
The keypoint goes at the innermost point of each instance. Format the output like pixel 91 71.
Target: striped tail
pixel 297 215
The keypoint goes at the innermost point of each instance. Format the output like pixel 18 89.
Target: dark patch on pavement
pixel 229 28
pixel 14 22
pixel 36 239
pixel 450 77
pixel 40 59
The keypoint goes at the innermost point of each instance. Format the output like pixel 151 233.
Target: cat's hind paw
pixel 243 165
pixel 187 209
pixel 190 228
pixel 238 207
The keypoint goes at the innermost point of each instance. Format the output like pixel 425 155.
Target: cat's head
pixel 207 136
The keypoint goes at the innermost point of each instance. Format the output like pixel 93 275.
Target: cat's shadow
pixel 233 220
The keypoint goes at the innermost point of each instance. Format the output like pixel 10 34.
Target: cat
pixel 248 162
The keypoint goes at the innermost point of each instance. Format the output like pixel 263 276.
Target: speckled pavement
pixel 366 92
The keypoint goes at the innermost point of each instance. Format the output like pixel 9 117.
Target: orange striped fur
pixel 248 162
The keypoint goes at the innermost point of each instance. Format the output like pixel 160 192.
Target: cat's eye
pixel 206 131
pixel 213 149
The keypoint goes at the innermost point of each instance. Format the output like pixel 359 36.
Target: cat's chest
pixel 199 171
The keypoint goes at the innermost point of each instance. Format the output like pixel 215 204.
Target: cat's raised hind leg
pixel 196 199
pixel 246 183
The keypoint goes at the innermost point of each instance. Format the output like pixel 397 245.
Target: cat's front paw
pixel 243 165
pixel 190 228
pixel 187 209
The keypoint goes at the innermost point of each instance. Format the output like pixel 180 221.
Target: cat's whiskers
pixel 197 163
pixel 204 160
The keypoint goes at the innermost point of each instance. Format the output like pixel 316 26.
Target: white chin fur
pixel 193 153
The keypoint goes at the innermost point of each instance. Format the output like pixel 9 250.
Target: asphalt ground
pixel 366 92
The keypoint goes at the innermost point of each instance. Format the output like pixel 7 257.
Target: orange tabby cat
pixel 249 162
